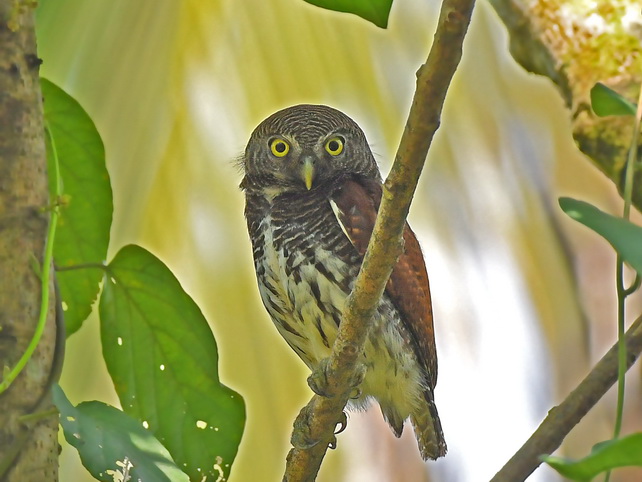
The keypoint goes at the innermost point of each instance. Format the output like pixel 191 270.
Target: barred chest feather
pixel 306 267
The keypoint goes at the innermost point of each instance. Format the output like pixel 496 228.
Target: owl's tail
pixel 427 425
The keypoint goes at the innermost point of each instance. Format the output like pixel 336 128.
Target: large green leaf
pixel 110 442
pixel 624 236
pixel 623 452
pixel 163 359
pixel 605 101
pixel 86 208
pixel 375 11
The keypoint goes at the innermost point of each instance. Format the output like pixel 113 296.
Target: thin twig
pixel 561 419
pixel 319 418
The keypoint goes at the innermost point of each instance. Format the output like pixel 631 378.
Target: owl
pixel 312 191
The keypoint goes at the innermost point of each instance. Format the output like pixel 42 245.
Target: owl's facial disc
pixel 302 161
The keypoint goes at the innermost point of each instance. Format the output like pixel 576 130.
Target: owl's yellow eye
pixel 334 146
pixel 279 147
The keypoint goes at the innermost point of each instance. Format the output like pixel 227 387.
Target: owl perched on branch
pixel 312 191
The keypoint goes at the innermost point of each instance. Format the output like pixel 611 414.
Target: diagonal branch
pixel 319 418
pixel 561 419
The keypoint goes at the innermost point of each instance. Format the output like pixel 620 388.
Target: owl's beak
pixel 308 171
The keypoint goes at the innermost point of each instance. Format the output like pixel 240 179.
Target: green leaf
pixel 623 452
pixel 163 359
pixel 624 236
pixel 109 441
pixel 605 101
pixel 86 208
pixel 375 11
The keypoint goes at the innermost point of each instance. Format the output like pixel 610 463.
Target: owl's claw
pixel 318 384
pixel 342 424
pixel 318 380
pixel 301 438
pixel 333 443
pixel 359 375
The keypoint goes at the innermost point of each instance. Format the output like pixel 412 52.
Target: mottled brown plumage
pixel 312 191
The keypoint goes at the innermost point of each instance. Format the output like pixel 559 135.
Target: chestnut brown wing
pixel 357 203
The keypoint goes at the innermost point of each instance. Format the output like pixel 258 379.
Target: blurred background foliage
pixel 523 297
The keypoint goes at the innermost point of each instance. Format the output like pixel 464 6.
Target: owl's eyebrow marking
pixel 337 133
pixel 272 138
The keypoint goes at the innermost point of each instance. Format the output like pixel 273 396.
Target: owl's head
pixel 303 147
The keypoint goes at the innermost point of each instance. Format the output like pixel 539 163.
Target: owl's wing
pixel 356 204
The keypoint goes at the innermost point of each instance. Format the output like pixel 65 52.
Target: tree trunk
pixel 28 449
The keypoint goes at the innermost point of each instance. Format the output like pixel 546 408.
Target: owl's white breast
pixel 289 298
pixel 309 323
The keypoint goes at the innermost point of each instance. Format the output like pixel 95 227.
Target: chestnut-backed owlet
pixel 312 191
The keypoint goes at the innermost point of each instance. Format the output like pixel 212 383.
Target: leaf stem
pixel 73 267
pixel 630 162
pixel 621 304
pixel 44 278
pixel 37 416
pixel 634 286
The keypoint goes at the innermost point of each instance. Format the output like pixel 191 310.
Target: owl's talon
pixel 318 379
pixel 357 379
pixel 342 424
pixel 359 374
pixel 332 444
pixel 301 438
